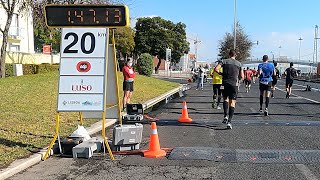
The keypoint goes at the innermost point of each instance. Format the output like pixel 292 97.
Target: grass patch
pixel 28 106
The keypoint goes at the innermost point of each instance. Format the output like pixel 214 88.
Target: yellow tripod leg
pixel 54 138
pixel 81 118
pixel 116 75
pixel 104 135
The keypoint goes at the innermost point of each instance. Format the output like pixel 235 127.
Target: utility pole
pixel 279 52
pixel 315 46
pixel 195 42
pixel 235 25
pixel 272 56
pixel 300 39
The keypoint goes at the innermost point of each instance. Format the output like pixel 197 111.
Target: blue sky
pixel 273 23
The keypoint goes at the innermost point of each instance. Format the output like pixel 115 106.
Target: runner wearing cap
pixel 265 70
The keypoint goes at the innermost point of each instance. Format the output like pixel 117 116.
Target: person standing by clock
pixel 128 79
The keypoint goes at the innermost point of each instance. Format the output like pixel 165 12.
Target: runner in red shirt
pixel 248 78
pixel 128 79
pixel 254 71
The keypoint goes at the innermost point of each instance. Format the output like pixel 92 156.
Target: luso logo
pixel 83 66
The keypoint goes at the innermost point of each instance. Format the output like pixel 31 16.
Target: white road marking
pixel 298 89
pixel 314 101
pixel 306 172
pixel 315 89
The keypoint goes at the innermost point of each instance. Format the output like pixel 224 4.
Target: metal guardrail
pixel 154 101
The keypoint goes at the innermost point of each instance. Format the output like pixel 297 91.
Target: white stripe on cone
pixel 154 131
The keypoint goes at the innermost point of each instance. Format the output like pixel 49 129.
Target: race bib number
pixel 222 87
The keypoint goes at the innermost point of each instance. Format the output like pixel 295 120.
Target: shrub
pixel 9 70
pixel 145 64
pixel 44 68
pixel 32 69
pixel 29 69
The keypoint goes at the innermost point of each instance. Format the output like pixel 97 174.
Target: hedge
pixel 32 68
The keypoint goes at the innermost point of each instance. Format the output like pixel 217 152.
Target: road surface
pixel 284 145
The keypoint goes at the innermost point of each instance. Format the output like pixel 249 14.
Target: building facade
pixel 20 37
pixel 187 62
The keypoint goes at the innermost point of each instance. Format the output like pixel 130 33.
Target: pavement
pixel 283 145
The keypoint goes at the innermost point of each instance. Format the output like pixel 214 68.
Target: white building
pixel 20 37
pixel 186 63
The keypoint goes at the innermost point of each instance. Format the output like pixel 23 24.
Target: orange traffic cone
pixel 184 117
pixel 154 150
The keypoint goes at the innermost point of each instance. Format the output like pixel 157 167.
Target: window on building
pixel 14 27
pixel 14 47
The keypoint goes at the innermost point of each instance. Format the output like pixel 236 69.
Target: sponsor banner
pixel 83 42
pixel 81 84
pixel 80 102
pixel 82 66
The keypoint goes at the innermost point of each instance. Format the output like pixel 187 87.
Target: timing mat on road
pixel 249 156
pixel 215 123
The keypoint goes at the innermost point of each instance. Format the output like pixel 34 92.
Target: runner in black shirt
pixel 290 74
pixel 275 78
pixel 230 81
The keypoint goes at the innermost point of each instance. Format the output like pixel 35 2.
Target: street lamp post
pixel 279 52
pixel 235 25
pixel 300 39
pixel 272 56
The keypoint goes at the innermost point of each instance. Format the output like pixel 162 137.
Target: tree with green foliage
pixel 145 64
pixel 155 35
pixel 243 47
pixel 124 38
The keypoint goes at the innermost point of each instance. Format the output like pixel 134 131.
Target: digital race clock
pixel 86 16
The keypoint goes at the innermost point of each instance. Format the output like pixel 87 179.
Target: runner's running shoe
pixel 266 113
pixel 229 125
pixel 225 120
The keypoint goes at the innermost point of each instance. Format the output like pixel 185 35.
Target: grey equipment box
pixel 128 135
pixel 86 149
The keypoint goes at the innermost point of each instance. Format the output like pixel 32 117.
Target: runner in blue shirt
pixel 266 70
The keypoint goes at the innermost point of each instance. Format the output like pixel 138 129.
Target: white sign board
pixel 82 70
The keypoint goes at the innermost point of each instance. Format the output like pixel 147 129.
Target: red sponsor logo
pixel 83 66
